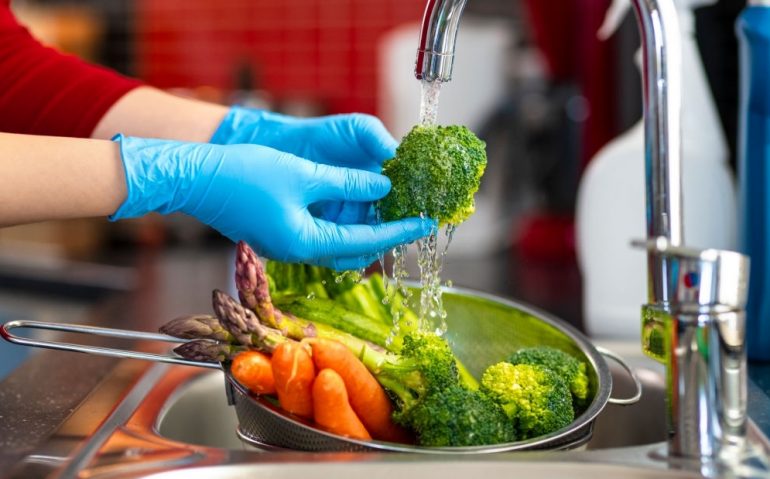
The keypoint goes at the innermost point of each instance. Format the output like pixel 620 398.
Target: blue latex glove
pixel 351 141
pixel 262 196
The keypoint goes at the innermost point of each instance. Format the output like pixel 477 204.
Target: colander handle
pixel 638 395
pixel 5 332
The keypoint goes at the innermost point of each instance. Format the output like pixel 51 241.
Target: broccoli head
pixel 563 364
pixel 456 416
pixel 436 171
pixel 535 399
pixel 424 365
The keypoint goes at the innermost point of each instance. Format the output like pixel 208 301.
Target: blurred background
pixel 531 78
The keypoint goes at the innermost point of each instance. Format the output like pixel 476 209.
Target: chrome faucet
pixel 438 35
pixel 693 321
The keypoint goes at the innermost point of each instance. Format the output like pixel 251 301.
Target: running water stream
pixel 430 257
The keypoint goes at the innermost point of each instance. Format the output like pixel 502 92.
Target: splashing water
pixel 354 275
pixel 396 286
pixel 431 261
pixel 432 316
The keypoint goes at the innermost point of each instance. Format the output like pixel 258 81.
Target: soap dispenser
pixel 753 28
pixel 611 197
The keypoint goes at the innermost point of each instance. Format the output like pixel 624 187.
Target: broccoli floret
pixel 433 400
pixel 536 400
pixel 456 416
pixel 436 171
pixel 425 364
pixel 563 364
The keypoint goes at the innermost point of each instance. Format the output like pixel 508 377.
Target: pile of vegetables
pixel 326 348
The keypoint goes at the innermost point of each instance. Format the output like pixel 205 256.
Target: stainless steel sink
pixel 427 470
pixel 198 413
pixel 175 423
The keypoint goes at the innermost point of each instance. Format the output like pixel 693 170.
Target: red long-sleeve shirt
pixel 44 92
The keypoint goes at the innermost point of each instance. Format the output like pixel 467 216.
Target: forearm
pixel 151 113
pixel 44 178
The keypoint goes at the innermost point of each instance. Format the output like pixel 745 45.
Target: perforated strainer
pixel 482 330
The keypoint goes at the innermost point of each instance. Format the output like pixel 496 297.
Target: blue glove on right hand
pixel 262 196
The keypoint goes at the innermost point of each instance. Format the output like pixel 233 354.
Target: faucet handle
pixel 708 280
pixel 700 335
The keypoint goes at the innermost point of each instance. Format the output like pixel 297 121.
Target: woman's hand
pixel 264 197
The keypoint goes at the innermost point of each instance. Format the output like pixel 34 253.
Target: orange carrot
pixel 331 408
pixel 368 399
pixel 254 370
pixel 294 373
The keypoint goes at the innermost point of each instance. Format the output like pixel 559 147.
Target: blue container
pixel 753 28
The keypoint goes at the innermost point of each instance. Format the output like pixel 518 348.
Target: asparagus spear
pixel 208 351
pixel 197 326
pixel 254 292
pixel 243 324
pixel 331 313
pixel 253 289
pixel 289 325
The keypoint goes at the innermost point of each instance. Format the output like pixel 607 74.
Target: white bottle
pixel 611 197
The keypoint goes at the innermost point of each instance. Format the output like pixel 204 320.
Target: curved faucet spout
pixel 662 95
pixel 435 55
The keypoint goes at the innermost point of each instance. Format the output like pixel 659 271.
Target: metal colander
pixel 482 330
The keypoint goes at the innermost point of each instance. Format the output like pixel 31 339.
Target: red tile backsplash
pixel 324 50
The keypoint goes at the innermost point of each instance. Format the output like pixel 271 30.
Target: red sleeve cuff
pixel 44 92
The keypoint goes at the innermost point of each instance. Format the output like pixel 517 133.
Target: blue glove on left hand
pixel 352 141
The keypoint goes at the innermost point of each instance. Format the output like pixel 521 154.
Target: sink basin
pixel 427 470
pixel 182 427
pixel 203 398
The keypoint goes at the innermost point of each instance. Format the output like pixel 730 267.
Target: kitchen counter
pixel 47 389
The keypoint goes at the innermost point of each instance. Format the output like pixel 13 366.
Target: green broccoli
pixel 432 400
pixel 436 171
pixel 426 364
pixel 563 364
pixel 456 416
pixel 536 400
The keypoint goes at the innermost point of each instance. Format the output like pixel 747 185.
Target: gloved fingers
pixel 347 184
pixel 335 240
pixel 342 212
pixel 348 262
pixel 353 213
pixel 373 137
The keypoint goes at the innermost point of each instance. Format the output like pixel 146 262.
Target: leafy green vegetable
pixel 535 399
pixel 436 172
